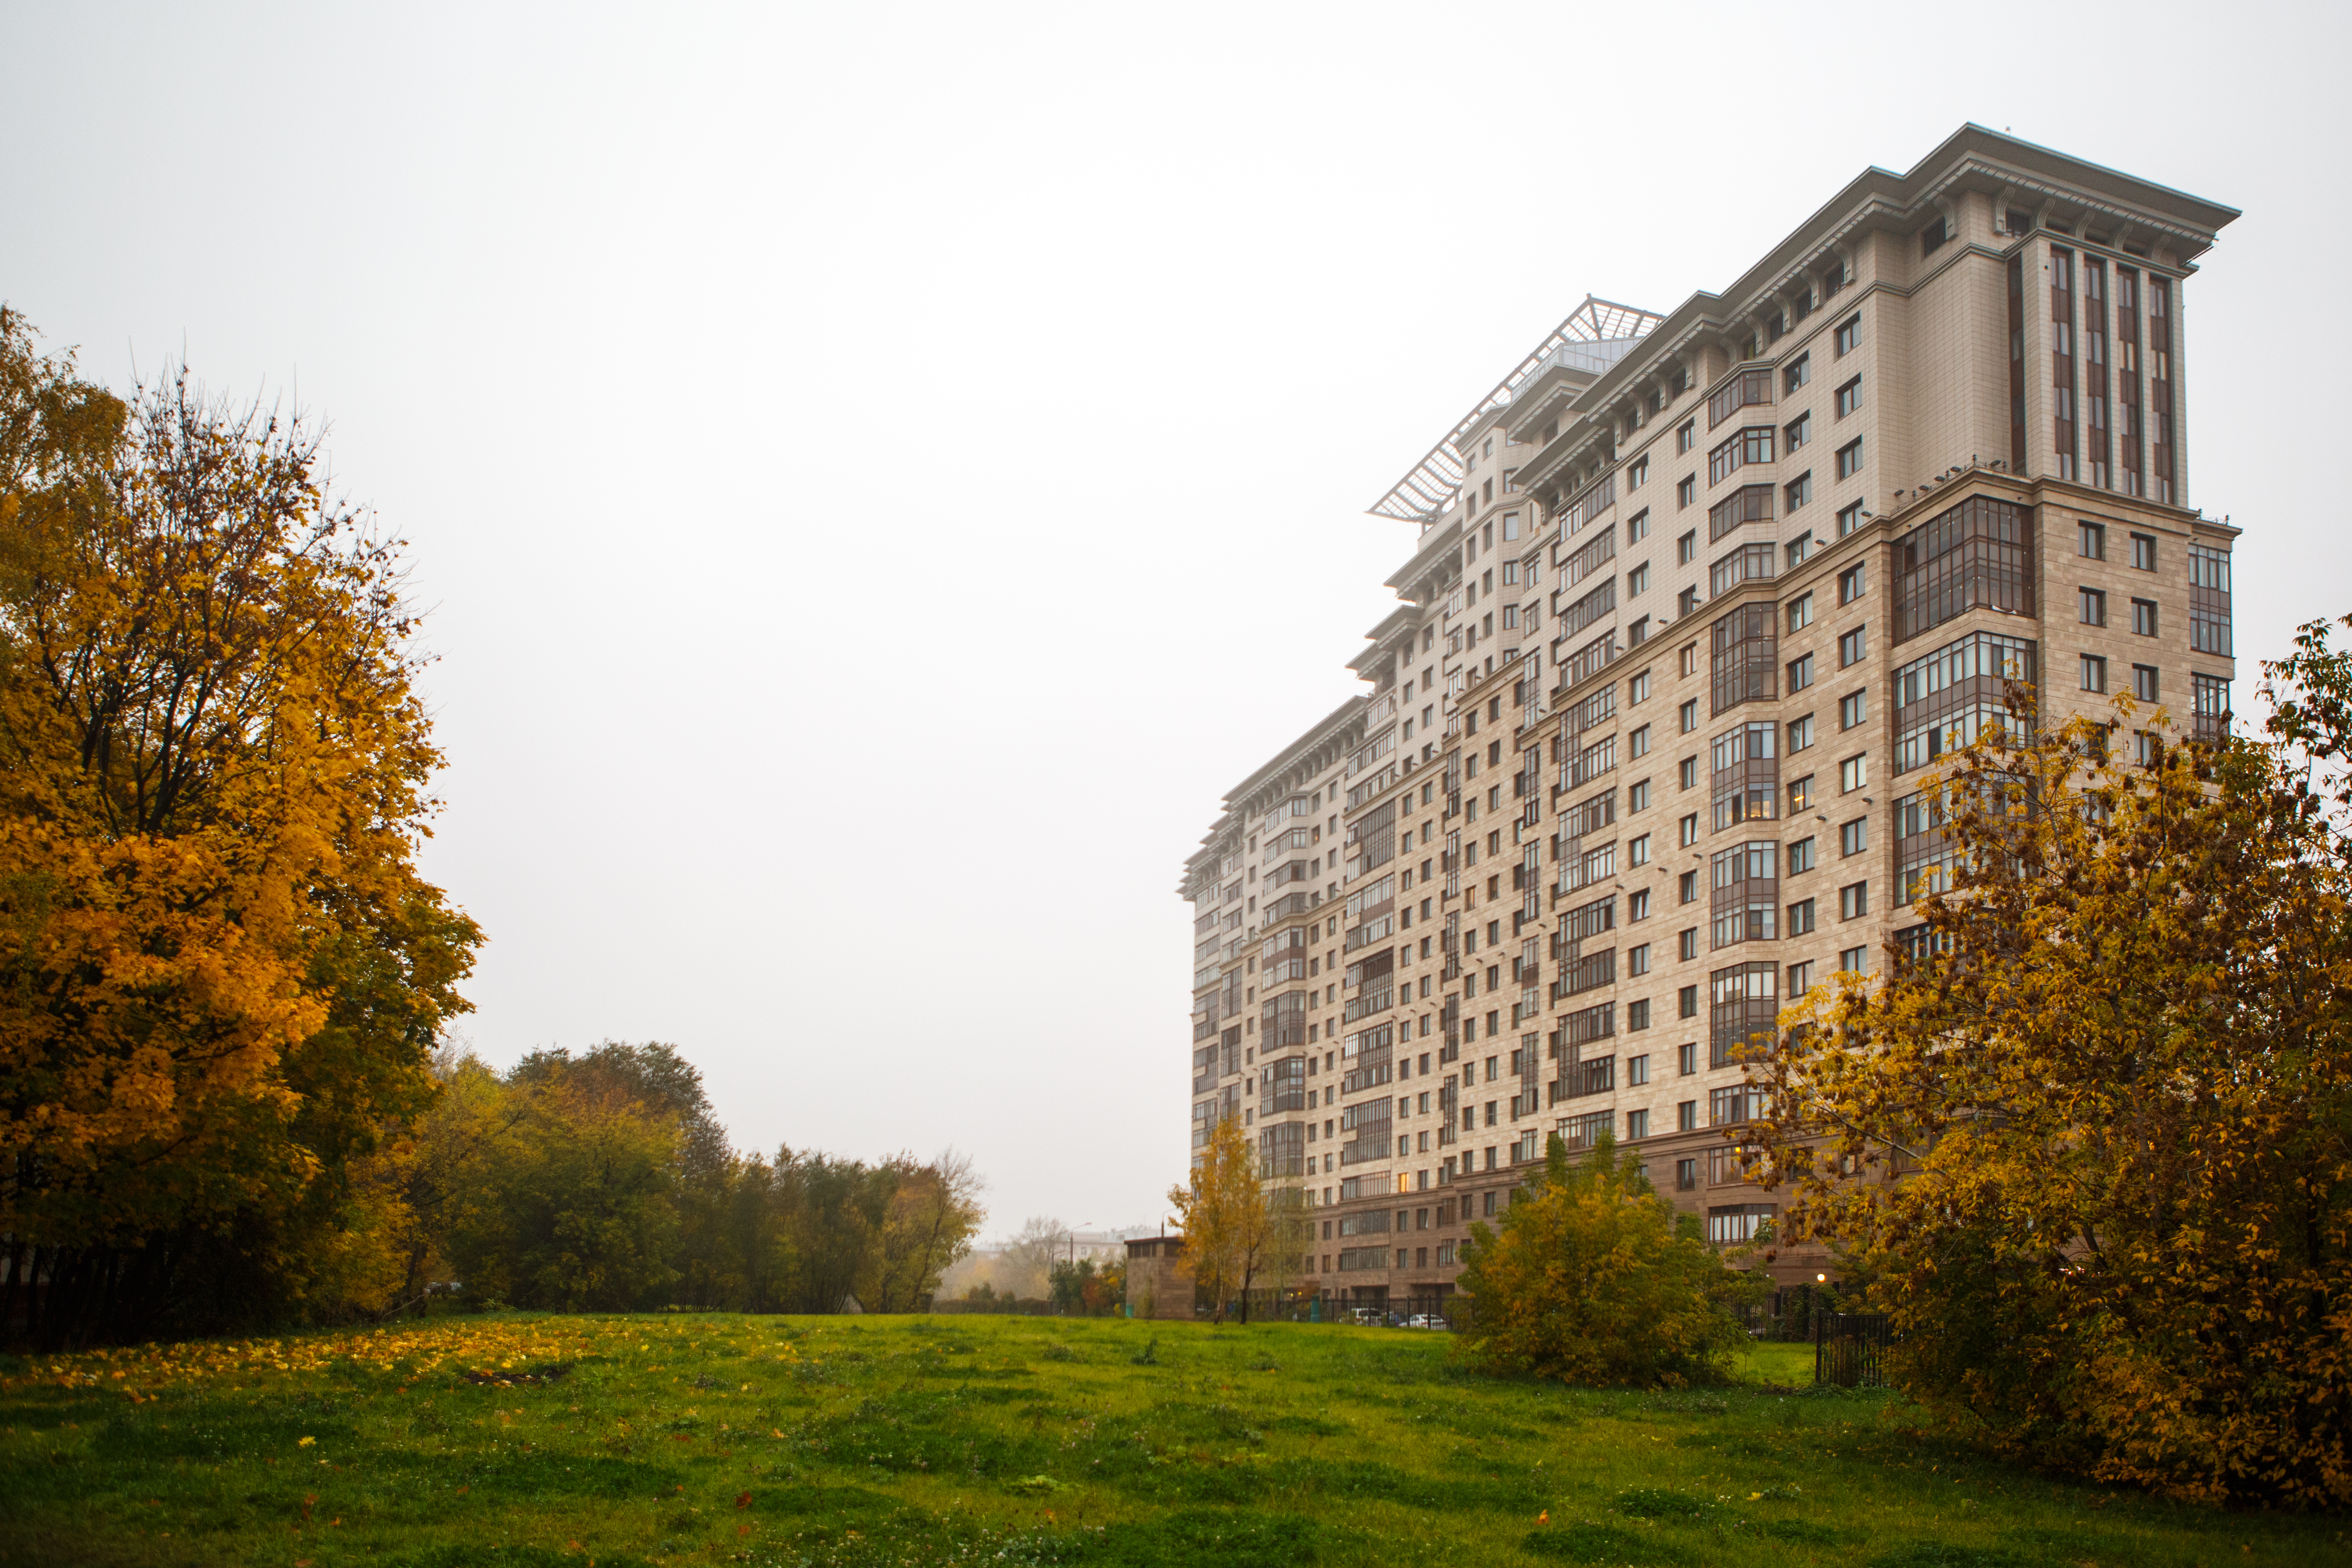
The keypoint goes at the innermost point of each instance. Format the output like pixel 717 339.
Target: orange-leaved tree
pixel 2090 1132
pixel 1592 1278
pixel 1232 1219
pixel 221 976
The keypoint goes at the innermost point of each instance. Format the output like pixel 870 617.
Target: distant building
pixel 1157 1285
pixel 1695 601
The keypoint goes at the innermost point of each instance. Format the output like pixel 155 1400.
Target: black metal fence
pixel 1850 1348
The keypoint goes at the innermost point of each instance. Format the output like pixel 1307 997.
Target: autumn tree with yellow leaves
pixel 1241 1231
pixel 2089 1134
pixel 221 976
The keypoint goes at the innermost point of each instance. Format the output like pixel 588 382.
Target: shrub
pixel 1592 1279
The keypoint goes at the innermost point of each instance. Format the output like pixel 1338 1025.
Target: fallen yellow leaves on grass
pixel 487 1350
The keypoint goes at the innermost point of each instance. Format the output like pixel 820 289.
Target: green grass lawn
pixel 525 1440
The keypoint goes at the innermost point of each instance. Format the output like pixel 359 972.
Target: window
pixel 1800 918
pixel 1637 580
pixel 1636 471
pixel 1686 435
pixel 1849 334
pixel 2091 541
pixel 1689 715
pixel 1637 690
pixel 1798 431
pixel 2144 551
pixel 1690 773
pixel 1686 551
pixel 1853 901
pixel 1800 611
pixel 1638 529
pixel 1638 851
pixel 1801 733
pixel 1854 960
pixel 2143 617
pixel 1801 979
pixel 2208 600
pixel 1689 886
pixel 1797 491
pixel 1853 645
pixel 1800 674
pixel 2144 682
pixel 1851 584
pixel 1688 829
pixel 2094 673
pixel 1853 709
pixel 1932 237
pixel 1637 1122
pixel 1686 1171
pixel 1797 374
pixel 1800 853
pixel 1799 547
pixel 1637 1013
pixel 1854 774
pixel 1637 962
pixel 2092 607
pixel 1689 950
pixel 1801 795
pixel 1638 797
pixel 1637 904
pixel 1849 458
pixel 1849 397
pixel 1853 838
pixel 2208 708
pixel 1687 492
pixel 1686 1000
pixel 1849 518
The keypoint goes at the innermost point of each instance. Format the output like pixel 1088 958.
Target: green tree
pixel 2091 1132
pixel 1592 1278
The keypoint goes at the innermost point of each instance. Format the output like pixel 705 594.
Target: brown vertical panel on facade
pixel 2160 386
pixel 2094 373
pixel 2061 359
pixel 2130 407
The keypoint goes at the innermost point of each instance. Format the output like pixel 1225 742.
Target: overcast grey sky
pixel 881 474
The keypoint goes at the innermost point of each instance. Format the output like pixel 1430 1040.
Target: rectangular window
pixel 1849 397
pixel 2208 709
pixel 1800 853
pixel 1687 492
pixel 1689 827
pixel 1849 518
pixel 1688 715
pixel 1689 886
pixel 1637 904
pixel 1796 372
pixel 1853 838
pixel 2143 617
pixel 1797 492
pixel 1637 798
pixel 1686 551
pixel 1854 774
pixel 2091 541
pixel 1800 918
pixel 1637 690
pixel 1801 733
pixel 1849 334
pixel 1637 1125
pixel 1800 674
pixel 1853 645
pixel 2094 673
pixel 1637 1013
pixel 1637 471
pixel 1800 611
pixel 1687 1001
pixel 1688 941
pixel 2144 682
pixel 2144 551
pixel 1637 852
pixel 1853 709
pixel 2208 601
pixel 1854 960
pixel 1801 979
pixel 1849 458
pixel 1851 585
pixel 1748 503
pixel 1853 901
pixel 1797 432
pixel 2092 607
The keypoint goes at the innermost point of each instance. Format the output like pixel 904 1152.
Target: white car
pixel 1425 1320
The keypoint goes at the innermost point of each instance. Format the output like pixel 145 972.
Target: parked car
pixel 1368 1316
pixel 1425 1320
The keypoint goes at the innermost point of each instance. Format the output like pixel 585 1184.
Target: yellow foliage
pixel 2090 1136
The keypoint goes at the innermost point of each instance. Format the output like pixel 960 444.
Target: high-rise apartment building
pixel 1696 602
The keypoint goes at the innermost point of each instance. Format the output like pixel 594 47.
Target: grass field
pixel 526 1440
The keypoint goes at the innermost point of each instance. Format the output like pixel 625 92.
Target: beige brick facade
pixel 1694 597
